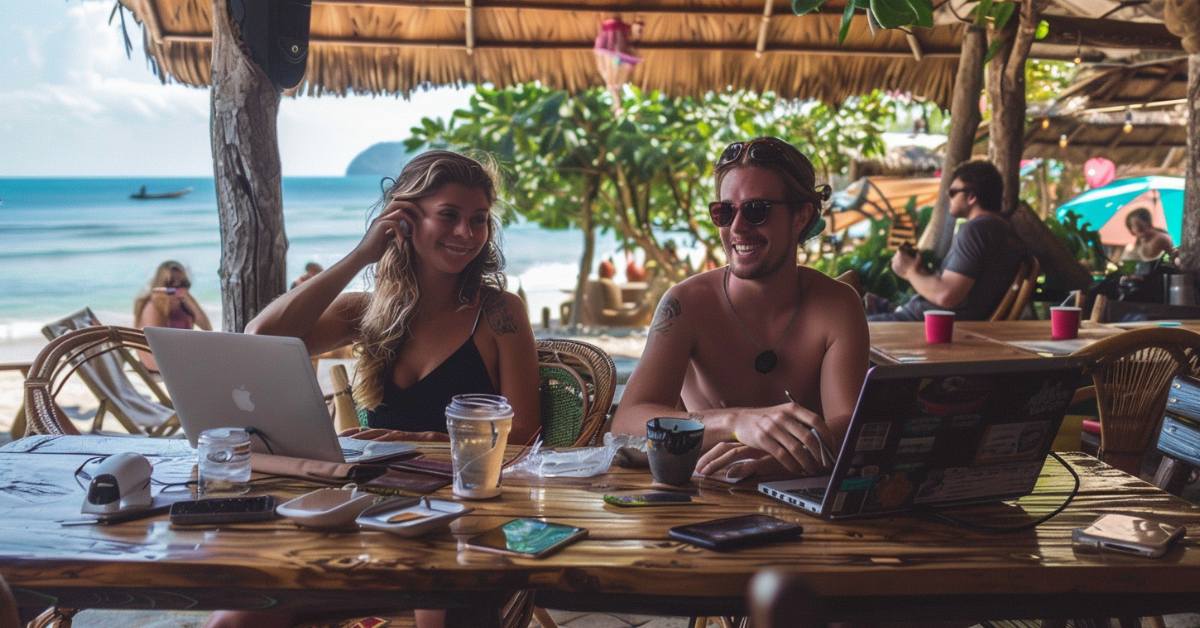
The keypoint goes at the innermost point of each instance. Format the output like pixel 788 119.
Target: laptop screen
pixel 937 436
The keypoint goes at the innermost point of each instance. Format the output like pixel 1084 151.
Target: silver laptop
pixel 265 382
pixel 925 436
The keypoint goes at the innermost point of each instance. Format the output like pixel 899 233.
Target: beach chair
pixel 99 356
pixel 1019 293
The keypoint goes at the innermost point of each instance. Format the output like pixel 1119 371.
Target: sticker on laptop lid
pixel 873 436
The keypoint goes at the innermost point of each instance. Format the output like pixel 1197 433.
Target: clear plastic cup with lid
pixel 478 426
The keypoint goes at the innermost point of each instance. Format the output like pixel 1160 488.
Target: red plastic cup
pixel 939 326
pixel 1064 322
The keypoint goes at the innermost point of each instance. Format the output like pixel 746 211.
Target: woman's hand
pixel 369 433
pixel 395 224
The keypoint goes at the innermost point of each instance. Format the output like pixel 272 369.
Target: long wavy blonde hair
pixel 162 276
pixel 384 326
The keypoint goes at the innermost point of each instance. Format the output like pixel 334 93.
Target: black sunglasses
pixel 766 150
pixel 754 212
pixel 955 191
pixel 183 283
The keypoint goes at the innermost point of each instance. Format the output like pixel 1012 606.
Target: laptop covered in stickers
pixel 935 435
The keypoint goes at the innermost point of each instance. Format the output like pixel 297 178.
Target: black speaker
pixel 275 32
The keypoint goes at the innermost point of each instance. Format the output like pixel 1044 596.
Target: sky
pixel 72 104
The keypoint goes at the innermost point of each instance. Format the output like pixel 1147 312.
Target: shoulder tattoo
pixel 498 316
pixel 664 319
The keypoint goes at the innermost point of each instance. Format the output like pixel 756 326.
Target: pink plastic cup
pixel 939 326
pixel 1064 322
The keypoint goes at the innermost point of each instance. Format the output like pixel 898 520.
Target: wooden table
pixel 901 343
pixel 1034 336
pixel 887 568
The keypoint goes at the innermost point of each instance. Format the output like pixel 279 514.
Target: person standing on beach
pixel 769 355
pixel 168 302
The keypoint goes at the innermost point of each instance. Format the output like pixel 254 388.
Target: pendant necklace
pixel 766 360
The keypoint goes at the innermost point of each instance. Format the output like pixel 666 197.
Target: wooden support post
pixel 1182 17
pixel 965 118
pixel 761 47
pixel 245 150
pixel 1006 93
pixel 470 25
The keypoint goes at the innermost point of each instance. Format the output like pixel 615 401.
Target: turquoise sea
pixel 70 243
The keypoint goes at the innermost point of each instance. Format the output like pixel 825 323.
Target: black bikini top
pixel 422 406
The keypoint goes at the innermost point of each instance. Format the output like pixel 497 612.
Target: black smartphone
pixel 731 532
pixel 650 498
pixel 532 538
pixel 223 510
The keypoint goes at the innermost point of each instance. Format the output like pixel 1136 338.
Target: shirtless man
pixel 768 354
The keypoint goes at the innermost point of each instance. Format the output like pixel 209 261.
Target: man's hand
pixel 733 462
pixel 904 263
pixel 792 435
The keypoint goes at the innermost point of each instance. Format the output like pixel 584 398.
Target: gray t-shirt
pixel 987 250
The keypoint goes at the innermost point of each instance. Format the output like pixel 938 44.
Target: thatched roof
pixel 689 46
pixel 1092 112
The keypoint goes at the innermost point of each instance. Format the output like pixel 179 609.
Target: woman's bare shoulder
pixel 504 312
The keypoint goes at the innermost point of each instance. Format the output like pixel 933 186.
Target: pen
pixel 827 457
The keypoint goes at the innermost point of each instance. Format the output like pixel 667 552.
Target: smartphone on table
pixel 734 532
pixel 648 498
pixel 1128 535
pixel 223 510
pixel 532 538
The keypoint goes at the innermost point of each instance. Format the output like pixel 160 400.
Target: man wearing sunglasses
pixel 982 260
pixel 769 355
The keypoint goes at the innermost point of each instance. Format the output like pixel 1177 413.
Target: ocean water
pixel 70 243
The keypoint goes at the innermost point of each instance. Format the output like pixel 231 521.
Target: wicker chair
pixel 79 350
pixel 577 384
pixel 1132 373
pixel 1018 295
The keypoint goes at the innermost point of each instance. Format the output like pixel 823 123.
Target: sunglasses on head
pixel 183 283
pixel 754 212
pixel 767 150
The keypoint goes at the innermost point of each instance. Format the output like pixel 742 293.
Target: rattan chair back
pixel 577 383
pixel 78 351
pixel 1132 374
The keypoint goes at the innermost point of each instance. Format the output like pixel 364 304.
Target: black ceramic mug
pixel 674 447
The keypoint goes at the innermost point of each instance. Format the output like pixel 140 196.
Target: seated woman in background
pixel 167 302
pixel 1149 242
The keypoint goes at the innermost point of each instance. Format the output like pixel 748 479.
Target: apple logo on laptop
pixel 241 399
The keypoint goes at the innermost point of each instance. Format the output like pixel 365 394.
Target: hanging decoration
pixel 615 54
pixel 1099 172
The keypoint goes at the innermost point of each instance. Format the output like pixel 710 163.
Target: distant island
pixel 384 159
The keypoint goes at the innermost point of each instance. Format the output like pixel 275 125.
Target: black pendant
pixel 765 362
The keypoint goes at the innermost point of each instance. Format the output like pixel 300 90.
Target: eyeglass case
pixel 424 515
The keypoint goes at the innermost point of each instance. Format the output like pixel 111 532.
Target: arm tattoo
pixel 498 316
pixel 668 311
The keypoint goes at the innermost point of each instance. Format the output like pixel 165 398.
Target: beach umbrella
pixel 1105 208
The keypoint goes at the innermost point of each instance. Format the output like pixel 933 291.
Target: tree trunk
pixel 965 118
pixel 1006 92
pixel 1191 193
pixel 246 170
pixel 589 251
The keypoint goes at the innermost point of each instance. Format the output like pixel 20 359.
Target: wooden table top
pixel 1034 335
pixel 901 343
pixel 627 553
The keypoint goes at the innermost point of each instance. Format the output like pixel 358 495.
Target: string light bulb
pixel 1045 123
pixel 1062 140
pixel 1128 128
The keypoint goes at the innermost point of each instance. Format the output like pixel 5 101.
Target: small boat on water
pixel 143 195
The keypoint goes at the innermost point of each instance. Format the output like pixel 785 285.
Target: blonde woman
pixel 438 322
pixel 168 302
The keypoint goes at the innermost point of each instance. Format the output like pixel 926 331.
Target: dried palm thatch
pixel 688 46
pixel 1089 118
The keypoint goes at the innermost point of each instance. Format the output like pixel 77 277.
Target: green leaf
pixel 892 13
pixel 1043 29
pixel 924 12
pixel 982 12
pixel 847 15
pixel 993 49
pixel 1002 13
pixel 803 7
